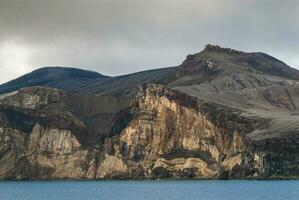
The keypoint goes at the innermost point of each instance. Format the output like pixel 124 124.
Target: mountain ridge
pixel 273 65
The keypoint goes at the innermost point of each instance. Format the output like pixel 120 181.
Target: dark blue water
pixel 144 190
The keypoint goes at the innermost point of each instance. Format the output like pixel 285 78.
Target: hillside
pixel 66 78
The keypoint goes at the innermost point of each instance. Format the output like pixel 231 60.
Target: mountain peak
pixel 209 51
pixel 214 58
pixel 217 48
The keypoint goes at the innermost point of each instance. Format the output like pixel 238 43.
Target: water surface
pixel 149 190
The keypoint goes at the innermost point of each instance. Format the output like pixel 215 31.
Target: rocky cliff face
pixel 215 116
pixel 167 134
pixel 173 135
pixel 35 141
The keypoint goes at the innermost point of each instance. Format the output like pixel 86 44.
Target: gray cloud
pixel 118 37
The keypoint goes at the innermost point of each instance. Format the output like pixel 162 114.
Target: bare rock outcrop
pixel 175 135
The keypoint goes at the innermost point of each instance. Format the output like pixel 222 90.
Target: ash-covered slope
pixel 222 113
pixel 254 83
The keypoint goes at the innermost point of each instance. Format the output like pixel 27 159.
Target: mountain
pixel 221 114
pixel 65 78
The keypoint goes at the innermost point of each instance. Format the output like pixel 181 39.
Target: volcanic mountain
pixel 222 113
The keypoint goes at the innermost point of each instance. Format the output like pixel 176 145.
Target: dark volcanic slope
pixel 65 78
pixel 88 82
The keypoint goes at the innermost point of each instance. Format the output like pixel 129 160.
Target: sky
pixel 119 37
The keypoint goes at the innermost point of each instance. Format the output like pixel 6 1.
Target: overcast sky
pixel 118 37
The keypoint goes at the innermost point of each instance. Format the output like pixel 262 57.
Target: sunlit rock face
pixel 221 114
pixel 174 135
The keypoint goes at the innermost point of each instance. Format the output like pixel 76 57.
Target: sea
pixel 149 190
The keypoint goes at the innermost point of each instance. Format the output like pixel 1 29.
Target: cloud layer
pixel 118 37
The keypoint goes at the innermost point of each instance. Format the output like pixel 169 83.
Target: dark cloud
pixel 117 37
